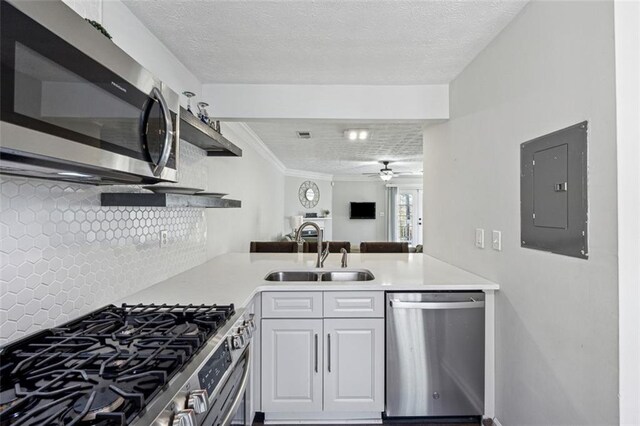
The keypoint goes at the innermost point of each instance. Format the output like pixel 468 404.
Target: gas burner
pixel 8 401
pixel 101 401
pixel 185 329
pixel 102 369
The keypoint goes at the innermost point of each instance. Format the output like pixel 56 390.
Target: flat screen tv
pixel 362 211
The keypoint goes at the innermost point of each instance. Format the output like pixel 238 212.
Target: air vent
pixel 303 134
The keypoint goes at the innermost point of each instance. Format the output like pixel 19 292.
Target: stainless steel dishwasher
pixel 435 354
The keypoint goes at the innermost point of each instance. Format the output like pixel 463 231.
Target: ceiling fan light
pixel 386 175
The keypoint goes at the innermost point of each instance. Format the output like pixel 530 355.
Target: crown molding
pixel 252 139
pixel 356 178
pixel 309 175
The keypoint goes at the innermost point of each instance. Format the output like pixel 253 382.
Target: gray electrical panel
pixel 553 192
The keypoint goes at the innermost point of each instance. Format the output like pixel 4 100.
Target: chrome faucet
pixel 320 260
pixel 343 262
pixel 325 254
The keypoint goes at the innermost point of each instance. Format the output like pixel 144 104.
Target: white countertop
pixel 237 277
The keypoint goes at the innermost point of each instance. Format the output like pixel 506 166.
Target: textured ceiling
pixel 328 151
pixel 326 41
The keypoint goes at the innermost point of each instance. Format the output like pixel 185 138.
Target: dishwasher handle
pixel 471 304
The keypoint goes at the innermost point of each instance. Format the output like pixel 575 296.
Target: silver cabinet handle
pixel 316 352
pixel 397 304
pixel 329 352
pixel 168 138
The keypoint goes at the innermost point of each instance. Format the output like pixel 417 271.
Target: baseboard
pixel 323 418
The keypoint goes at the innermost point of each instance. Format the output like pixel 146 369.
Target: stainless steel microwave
pixel 76 107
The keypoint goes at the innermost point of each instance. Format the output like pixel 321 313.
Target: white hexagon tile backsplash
pixel 63 255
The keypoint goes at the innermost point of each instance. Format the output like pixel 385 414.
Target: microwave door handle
pixel 166 148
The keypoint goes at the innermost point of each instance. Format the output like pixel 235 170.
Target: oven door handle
pixel 243 386
pixel 168 137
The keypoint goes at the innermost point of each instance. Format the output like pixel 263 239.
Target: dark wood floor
pixel 435 423
pixel 420 422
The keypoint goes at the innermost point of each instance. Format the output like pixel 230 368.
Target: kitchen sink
pixel 314 276
pixel 359 275
pixel 292 276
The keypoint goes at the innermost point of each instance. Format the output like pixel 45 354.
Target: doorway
pixel 408 216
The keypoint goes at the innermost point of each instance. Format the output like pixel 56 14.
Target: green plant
pixel 99 27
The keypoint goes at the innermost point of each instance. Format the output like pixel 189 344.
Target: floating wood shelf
pixel 199 134
pixel 129 199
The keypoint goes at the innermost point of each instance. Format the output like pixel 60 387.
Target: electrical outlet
pixel 496 240
pixel 480 238
pixel 164 239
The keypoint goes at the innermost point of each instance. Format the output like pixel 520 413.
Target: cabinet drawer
pixel 359 304
pixel 292 304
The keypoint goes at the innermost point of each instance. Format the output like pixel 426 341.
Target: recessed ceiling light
pixel 357 134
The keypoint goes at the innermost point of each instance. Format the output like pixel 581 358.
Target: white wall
pixel 258 183
pixel 627 30
pixel 328 102
pixel 358 230
pixel 557 317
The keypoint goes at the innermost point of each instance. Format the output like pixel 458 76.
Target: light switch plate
pixel 496 240
pixel 480 238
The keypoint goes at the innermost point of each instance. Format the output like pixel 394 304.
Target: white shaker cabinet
pixel 354 370
pixel 319 368
pixel 292 365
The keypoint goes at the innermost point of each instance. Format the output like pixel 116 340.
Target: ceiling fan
pixel 386 173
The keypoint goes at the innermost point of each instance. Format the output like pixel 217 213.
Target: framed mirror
pixel 309 194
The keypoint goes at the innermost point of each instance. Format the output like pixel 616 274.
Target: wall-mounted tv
pixel 362 211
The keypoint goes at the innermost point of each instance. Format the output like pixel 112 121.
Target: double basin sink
pixel 321 275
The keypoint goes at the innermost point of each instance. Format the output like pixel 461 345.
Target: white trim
pixel 405 185
pixel 496 422
pixel 254 141
pixel 356 178
pixel 627 46
pixel 489 355
pixel 325 417
pixel 308 175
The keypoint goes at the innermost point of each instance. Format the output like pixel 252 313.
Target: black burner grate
pixel 102 369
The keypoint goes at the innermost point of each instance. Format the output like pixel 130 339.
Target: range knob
pixel 236 342
pixel 250 324
pixel 247 326
pixel 185 418
pixel 198 401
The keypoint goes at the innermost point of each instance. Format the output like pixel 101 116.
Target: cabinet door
pixel 354 364
pixel 292 365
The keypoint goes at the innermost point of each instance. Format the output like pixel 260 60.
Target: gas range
pixel 120 365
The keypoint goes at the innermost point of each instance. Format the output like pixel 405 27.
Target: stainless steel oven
pixel 213 389
pixel 231 404
pixel 75 107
